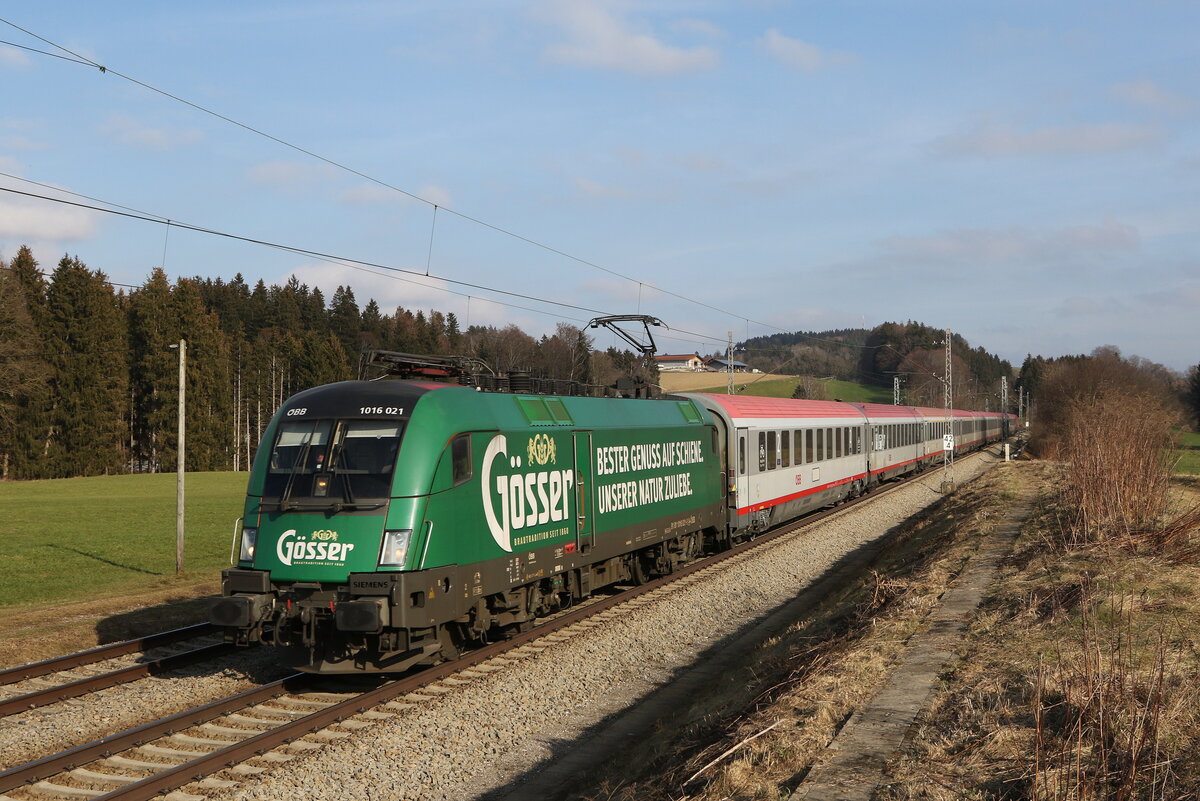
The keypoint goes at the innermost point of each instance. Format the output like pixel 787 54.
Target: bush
pixel 1110 418
pixel 1119 448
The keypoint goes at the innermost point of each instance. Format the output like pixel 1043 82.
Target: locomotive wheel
pixel 639 571
pixel 449 647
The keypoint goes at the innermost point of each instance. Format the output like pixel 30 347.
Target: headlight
pixel 249 540
pixel 395 548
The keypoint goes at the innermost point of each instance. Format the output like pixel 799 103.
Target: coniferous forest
pixel 91 381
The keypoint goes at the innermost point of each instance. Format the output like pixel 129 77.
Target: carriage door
pixel 742 496
pixel 584 494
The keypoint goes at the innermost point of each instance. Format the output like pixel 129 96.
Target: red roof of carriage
pixel 751 406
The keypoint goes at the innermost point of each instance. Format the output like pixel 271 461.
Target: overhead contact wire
pixel 84 60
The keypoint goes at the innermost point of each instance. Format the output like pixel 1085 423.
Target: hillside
pixel 767 385
pixel 912 351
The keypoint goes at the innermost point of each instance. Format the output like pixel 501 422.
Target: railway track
pixel 50 691
pixel 231 734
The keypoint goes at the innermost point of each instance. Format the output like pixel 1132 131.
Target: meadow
pixel 80 538
pixel 1188 454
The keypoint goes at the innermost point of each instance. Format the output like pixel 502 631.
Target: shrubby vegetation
pixel 1113 420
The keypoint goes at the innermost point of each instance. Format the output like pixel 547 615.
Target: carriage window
pixel 742 454
pixel 762 451
pixel 798 438
pixel 837 443
pixel 772 454
pixel 785 445
pixel 810 453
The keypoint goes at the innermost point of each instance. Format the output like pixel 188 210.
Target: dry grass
pixel 1082 680
pixel 801 688
pixel 50 630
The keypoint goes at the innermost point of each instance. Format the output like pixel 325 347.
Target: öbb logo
pixel 512 499
pixel 319 549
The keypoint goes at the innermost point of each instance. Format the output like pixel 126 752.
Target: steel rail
pixel 100 653
pixel 196 769
pixel 132 738
pixel 258 744
pixel 50 695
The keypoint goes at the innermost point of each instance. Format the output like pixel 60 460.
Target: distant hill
pixel 912 350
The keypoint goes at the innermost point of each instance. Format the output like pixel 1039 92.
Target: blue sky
pixel 1024 173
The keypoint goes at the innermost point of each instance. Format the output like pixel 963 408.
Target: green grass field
pixel 79 538
pixel 1189 455
pixel 783 388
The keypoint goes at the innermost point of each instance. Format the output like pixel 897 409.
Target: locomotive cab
pixel 325 506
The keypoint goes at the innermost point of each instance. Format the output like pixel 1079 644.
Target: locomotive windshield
pixel 339 463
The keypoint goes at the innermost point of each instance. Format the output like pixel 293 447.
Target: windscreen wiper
pixel 286 496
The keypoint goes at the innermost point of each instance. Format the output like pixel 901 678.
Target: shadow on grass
pixel 173 613
pixel 102 559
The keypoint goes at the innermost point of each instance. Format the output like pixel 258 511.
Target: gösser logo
pixel 524 499
pixel 319 549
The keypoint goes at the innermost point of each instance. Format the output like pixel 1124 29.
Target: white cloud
pixel 1004 140
pixel 597 37
pixel 388 289
pixel 698 27
pixel 595 189
pixel 368 194
pixel 436 194
pixel 371 195
pixel 1147 93
pixel 1183 297
pixel 1014 246
pixel 616 292
pixel 20 143
pixel 13 58
pixel 129 131
pixel 27 222
pixel 702 162
pixel 800 54
pixel 289 174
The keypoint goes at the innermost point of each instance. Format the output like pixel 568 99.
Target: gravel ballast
pixel 483 735
pixel 39 732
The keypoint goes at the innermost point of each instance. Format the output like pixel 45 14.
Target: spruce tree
pixel 154 377
pixel 25 370
pixel 209 402
pixel 345 321
pixel 85 332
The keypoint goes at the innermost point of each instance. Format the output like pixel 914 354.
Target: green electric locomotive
pixel 388 523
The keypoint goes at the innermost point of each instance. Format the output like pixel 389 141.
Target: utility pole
pixel 949 442
pixel 182 346
pixel 729 364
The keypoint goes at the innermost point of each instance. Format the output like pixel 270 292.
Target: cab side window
pixel 460 453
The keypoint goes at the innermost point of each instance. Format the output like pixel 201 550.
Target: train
pixel 390 524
